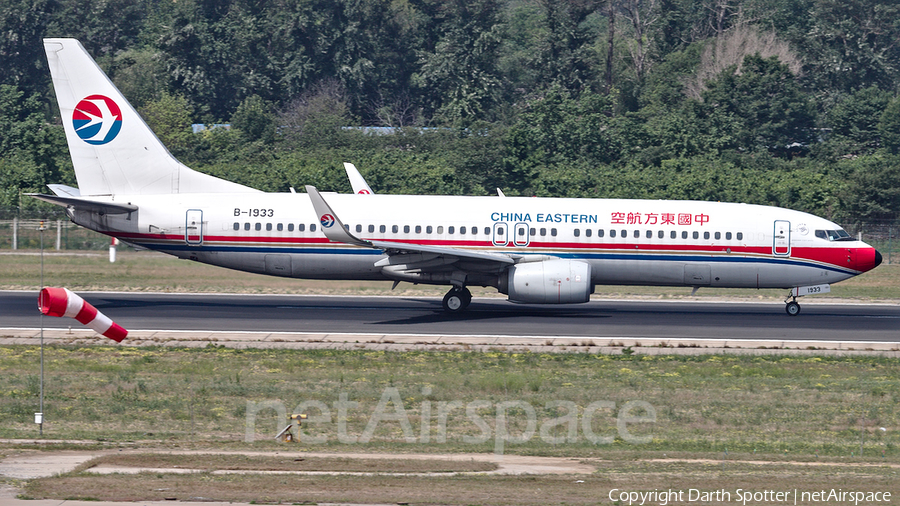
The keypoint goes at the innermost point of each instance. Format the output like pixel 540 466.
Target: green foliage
pixel 518 89
pixel 760 108
pixel 170 118
pixel 889 126
pixel 254 121
pixel 873 188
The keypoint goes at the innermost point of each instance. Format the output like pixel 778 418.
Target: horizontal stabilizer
pixel 86 205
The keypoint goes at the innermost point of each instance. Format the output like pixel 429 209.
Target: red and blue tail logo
pixel 327 220
pixel 97 119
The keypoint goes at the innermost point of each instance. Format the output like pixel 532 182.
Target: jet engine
pixel 548 282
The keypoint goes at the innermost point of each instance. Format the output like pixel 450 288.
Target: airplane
pixel 534 250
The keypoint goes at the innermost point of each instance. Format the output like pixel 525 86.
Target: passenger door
pixel 781 245
pixel 193 227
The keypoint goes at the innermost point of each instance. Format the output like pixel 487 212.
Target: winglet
pixel 332 226
pixel 356 180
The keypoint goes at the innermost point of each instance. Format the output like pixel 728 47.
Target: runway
pixel 485 317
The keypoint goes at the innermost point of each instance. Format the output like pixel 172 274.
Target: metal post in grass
pixel 39 416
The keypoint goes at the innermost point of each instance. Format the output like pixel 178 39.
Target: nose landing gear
pixel 457 300
pixel 792 308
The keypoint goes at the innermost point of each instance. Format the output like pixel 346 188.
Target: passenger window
pixel 462 230
pixel 587 232
pixel 684 234
pixel 237 226
pixel 301 227
pixel 696 235
pixel 500 231
pixel 358 229
pixel 382 228
pixel 487 231
pixel 727 236
pixel 280 227
pixel 553 232
pixel 577 232
pixel 612 233
pixel 405 229
pixel 522 231
pixel 268 227
pixel 533 231
pixel 718 235
pixel 418 229
pixel 312 227
pixel 258 226
pixel 290 227
pixel 624 233
pixel 600 232
pixel 474 230
pixel 649 234
pixel 451 229
pixel 661 234
pixel 637 234
pixel 543 232
pixel 740 236
pixel 673 235
pixel 428 229
pixel 395 229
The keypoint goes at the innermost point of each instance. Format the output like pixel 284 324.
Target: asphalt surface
pixel 484 317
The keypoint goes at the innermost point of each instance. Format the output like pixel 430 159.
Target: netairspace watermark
pixel 515 421
pixel 744 497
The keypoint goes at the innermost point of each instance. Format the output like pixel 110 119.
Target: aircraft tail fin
pixel 113 150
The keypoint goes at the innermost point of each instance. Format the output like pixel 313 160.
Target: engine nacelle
pixel 548 282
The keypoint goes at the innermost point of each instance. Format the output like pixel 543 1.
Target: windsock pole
pixel 62 302
pixel 112 250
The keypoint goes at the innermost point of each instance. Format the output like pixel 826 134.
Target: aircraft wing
pixel 402 254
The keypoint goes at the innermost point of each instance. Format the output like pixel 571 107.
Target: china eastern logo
pixel 327 220
pixel 97 119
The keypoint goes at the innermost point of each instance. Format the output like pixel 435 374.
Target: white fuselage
pixel 638 242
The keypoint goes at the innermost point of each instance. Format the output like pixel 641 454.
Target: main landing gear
pixel 457 299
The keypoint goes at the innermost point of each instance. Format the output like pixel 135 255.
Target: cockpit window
pixel 834 235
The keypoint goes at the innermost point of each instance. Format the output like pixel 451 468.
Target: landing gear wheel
pixel 457 300
pixel 792 308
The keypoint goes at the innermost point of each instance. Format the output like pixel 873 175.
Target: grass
pixel 148 271
pixel 214 462
pixel 798 406
pixel 610 480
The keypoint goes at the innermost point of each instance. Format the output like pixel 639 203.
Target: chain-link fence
pixel 883 236
pixel 60 234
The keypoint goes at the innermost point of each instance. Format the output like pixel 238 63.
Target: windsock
pixel 62 302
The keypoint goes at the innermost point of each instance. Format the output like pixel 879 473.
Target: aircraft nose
pixel 867 259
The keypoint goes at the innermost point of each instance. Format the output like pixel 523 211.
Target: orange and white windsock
pixel 62 302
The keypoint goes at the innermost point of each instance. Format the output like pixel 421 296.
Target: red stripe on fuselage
pixel 841 257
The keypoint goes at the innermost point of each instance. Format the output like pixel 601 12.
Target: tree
pixel 889 126
pixel 873 189
pixel 855 120
pixel 253 120
pixel 170 119
pixel 461 74
pixel 761 108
